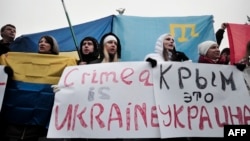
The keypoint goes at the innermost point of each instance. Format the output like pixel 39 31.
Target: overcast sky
pixel 32 16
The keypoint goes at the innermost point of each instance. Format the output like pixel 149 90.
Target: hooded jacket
pixel 91 56
pixel 158 52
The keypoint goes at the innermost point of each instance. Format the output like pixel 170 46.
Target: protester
pixel 32 121
pixel 110 49
pixel 165 50
pixel 48 45
pixel 8 34
pixel 88 50
pixel 225 53
pixel 209 53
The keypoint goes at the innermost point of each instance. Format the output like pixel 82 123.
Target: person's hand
pixel 153 62
pixel 55 88
pixel 3 51
pixel 224 26
pixel 181 56
pixel 9 71
pixel 82 63
pixel 240 66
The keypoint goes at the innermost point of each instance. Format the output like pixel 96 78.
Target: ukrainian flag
pixel 29 97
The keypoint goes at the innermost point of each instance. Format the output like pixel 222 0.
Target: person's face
pixel 111 47
pixel 44 46
pixel 9 33
pixel 168 42
pixel 87 47
pixel 226 55
pixel 213 52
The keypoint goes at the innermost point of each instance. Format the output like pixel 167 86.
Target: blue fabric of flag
pixel 139 34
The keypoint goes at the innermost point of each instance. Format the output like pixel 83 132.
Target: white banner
pixel 196 100
pixel 3 82
pixel 126 100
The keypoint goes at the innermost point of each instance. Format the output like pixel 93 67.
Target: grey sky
pixel 31 16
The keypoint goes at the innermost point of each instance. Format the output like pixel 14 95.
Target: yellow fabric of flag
pixel 37 68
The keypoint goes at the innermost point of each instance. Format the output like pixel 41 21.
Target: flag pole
pixel 72 31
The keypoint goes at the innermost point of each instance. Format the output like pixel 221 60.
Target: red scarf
pixel 204 59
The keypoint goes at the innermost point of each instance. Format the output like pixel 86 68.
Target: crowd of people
pixel 108 51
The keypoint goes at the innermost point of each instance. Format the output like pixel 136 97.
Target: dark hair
pixel 3 27
pixel 49 40
pixel 53 43
pixel 225 50
pixel 102 45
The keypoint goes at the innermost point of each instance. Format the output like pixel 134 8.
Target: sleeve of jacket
pixel 219 36
pixel 240 66
pixel 153 62
pixel 3 50
pixel 180 56
pixel 9 71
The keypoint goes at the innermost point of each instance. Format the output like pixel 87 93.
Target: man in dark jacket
pixel 8 34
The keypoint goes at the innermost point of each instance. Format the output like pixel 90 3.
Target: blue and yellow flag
pixel 137 34
pixel 29 97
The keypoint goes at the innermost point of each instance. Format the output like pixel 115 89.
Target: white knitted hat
pixel 204 46
pixel 108 38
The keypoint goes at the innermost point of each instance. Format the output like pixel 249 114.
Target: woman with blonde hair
pixel 165 50
pixel 110 49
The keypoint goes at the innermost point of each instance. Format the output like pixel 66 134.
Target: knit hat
pixel 204 46
pixel 109 38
